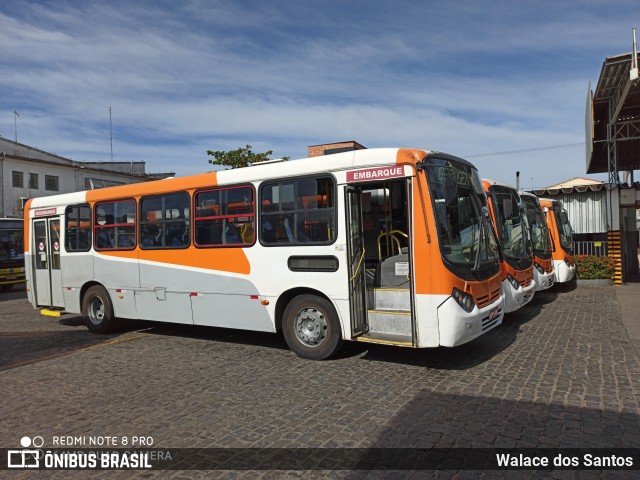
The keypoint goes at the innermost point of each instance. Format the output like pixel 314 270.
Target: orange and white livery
pixel 381 245
pixel 543 273
pixel 561 239
pixel 512 230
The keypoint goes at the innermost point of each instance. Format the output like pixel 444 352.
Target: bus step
pixel 392 299
pixel 389 322
pixel 386 339
pixel 51 313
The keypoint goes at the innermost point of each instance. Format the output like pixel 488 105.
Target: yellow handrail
pixel 358 267
pixel 390 234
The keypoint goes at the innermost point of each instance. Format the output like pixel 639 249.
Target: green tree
pixel 241 157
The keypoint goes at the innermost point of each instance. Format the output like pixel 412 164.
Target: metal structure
pixel 613 118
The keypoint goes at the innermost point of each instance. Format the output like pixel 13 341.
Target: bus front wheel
pixel 97 310
pixel 311 328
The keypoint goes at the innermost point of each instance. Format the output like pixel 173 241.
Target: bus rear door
pixel 46 248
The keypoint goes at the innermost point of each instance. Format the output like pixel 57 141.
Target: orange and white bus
pixel 561 239
pixel 512 229
pixel 382 245
pixel 543 273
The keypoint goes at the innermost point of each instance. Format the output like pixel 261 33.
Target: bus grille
pixel 487 299
pixel 526 283
pixel 489 324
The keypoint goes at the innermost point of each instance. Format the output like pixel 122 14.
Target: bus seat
pixel 247 233
pixel 385 274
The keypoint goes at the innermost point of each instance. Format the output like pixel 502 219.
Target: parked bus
pixel 561 239
pixel 280 247
pixel 512 230
pixel 11 253
pixel 543 273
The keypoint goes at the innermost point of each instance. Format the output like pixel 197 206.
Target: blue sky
pixel 182 77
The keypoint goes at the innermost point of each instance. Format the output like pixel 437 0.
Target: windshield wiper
pixel 476 263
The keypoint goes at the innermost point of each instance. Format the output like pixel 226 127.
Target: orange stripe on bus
pixel 155 187
pixel 230 260
pixel 407 156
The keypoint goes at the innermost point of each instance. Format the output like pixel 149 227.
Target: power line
pixel 526 150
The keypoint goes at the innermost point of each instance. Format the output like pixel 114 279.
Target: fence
pixel 599 248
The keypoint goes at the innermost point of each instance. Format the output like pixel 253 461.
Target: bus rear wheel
pixel 97 310
pixel 311 328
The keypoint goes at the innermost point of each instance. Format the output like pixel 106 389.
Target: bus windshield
pixel 463 230
pixel 11 249
pixel 564 227
pixel 512 226
pixel 538 228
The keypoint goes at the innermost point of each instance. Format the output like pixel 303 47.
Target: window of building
pixel 18 179
pixel 165 221
pixel 51 183
pixel 298 212
pixel 114 226
pixel 225 217
pixel 33 181
pixel 78 228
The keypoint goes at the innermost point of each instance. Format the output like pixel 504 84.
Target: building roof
pixel 78 165
pixel 576 182
pixel 616 95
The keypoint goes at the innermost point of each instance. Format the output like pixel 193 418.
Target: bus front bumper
pixel 12 276
pixel 515 299
pixel 543 280
pixel 456 326
pixel 564 272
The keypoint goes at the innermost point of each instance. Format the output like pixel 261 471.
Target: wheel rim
pixel 311 326
pixel 96 310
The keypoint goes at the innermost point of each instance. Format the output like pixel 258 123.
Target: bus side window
pixel 78 228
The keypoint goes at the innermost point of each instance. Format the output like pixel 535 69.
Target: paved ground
pixel 562 372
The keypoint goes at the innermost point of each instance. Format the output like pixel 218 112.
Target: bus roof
pixel 309 166
pixel 498 183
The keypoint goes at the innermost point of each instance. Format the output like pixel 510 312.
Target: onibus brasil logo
pixel 28 456
pixel 32 456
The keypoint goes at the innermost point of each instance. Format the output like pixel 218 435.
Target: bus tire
pixel 97 310
pixel 311 328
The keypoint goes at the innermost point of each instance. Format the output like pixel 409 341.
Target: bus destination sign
pixel 375 174
pixel 45 212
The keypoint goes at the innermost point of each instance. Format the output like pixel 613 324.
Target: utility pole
pixel 111 133
pixel 15 124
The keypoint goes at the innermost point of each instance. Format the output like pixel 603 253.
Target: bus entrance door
pixel 46 248
pixel 356 253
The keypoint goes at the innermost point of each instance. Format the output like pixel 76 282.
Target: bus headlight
pixel 539 268
pixel 464 300
pixel 514 283
pixel 566 260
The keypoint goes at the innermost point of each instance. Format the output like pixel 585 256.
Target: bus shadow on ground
pixel 218 334
pixel 15 293
pixel 462 357
pixel 18 349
